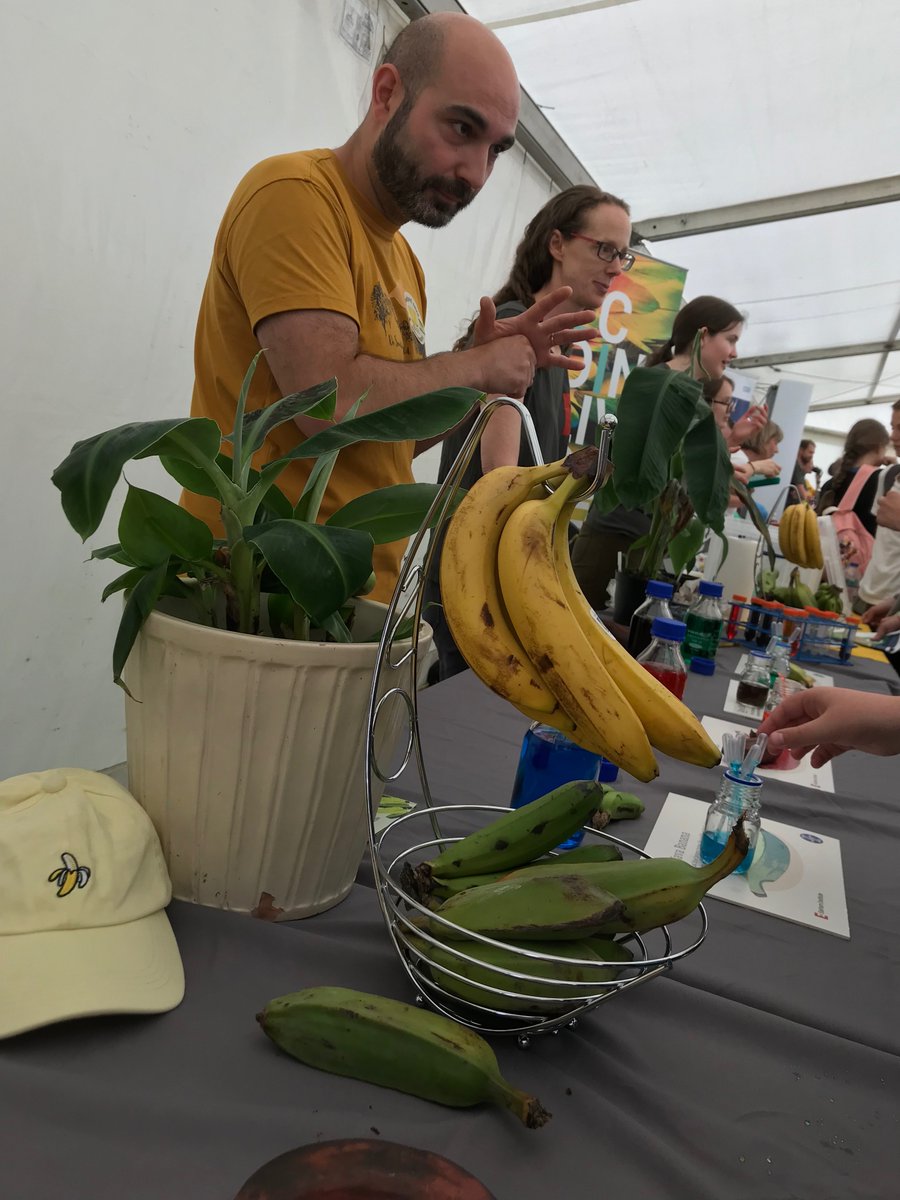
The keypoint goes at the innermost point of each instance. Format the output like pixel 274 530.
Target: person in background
pixel 881 579
pixel 719 393
pixel 603 537
pixel 802 467
pixel 761 447
pixel 577 243
pixel 310 265
pixel 864 447
pixel 829 721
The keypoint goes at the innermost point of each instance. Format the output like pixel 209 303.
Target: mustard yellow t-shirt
pixel 297 235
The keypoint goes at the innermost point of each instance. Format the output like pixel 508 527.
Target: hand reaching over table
pixel 829 721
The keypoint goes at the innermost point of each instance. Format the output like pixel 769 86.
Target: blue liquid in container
pixel 711 847
pixel 548 759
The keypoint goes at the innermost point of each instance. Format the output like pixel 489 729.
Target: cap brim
pixel 60 974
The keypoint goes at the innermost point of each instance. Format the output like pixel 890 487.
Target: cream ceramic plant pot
pixel 248 753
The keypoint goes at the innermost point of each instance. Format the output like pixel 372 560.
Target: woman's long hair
pixel 703 312
pixel 533 263
pixel 864 437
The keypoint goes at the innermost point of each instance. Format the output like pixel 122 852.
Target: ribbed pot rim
pixel 191 634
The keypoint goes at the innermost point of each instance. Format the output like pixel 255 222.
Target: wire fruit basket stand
pixel 509 1000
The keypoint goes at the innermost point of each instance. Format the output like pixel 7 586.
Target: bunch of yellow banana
pixel 523 625
pixel 394 1045
pixel 798 536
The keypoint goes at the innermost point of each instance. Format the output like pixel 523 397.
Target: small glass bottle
pixel 656 605
pixel 780 663
pixel 756 680
pixel 547 759
pixel 704 622
pixel 736 796
pixel 663 658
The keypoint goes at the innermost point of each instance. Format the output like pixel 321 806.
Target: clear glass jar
pixel 756 680
pixel 736 796
pixel 548 759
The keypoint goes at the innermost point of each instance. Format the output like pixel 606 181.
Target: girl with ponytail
pixel 603 537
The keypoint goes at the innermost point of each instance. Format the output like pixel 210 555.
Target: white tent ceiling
pixel 686 106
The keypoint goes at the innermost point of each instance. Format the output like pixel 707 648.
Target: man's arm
pixel 303 347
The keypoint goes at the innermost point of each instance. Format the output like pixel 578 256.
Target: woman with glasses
pixel 579 240
pixel 603 537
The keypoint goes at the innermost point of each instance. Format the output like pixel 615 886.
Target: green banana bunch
pixel 545 908
pixel 829 598
pixel 620 806
pixel 394 1045
pixel 590 961
pixel 653 891
pixel 519 835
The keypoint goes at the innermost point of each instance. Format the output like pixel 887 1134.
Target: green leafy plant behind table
pixel 308 572
pixel 670 460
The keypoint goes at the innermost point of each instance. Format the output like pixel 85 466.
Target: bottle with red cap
pixel 663 657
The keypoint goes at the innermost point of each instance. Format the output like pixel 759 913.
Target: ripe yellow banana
pixel 669 724
pixel 394 1045
pixel 789 535
pixel 554 907
pixel 653 891
pixel 519 835
pixel 588 961
pixel 471 598
pixel 800 531
pixel 549 631
pixel 813 541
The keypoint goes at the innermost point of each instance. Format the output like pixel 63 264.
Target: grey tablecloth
pixel 764 1067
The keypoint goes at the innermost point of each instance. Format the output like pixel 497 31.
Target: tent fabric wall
pixel 133 123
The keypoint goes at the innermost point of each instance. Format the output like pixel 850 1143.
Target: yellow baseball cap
pixel 83 889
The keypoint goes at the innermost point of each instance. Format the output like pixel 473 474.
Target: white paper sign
pixel 795 874
pixel 803 775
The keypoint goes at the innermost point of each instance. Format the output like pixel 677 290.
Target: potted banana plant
pixel 670 460
pixel 247 661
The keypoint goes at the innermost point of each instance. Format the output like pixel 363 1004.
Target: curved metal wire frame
pixel 406 601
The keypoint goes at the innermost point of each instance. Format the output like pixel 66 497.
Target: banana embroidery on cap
pixel 69 876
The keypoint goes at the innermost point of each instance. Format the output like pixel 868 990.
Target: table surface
pixel 765 1066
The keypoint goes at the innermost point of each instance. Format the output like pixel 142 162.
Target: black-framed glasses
pixel 608 252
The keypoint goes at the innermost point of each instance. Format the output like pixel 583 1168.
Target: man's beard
pixel 399 175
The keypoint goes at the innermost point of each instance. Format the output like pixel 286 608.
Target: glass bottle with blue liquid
pixel 737 795
pixel 548 759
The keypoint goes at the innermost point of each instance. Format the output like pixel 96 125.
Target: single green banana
pixel 653 891
pixel 521 834
pixel 590 961
pixel 621 805
pixel 551 907
pixel 394 1045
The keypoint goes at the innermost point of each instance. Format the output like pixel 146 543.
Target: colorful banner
pixel 636 317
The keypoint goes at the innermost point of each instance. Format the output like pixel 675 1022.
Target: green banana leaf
pixel 707 470
pixel 321 567
pixel 390 513
pixel 684 546
pixel 152 529
pixel 318 401
pixel 655 411
pixel 140 604
pixel 87 475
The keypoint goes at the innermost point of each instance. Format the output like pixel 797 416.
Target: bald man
pixel 310 265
